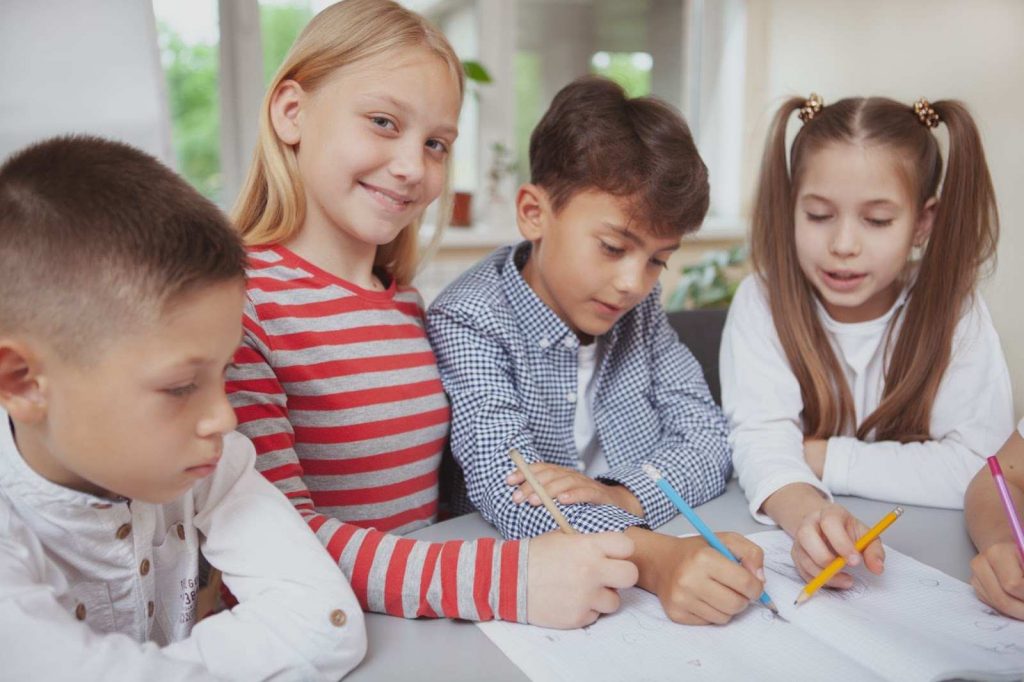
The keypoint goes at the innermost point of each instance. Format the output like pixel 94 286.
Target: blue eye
pixel 438 146
pixel 383 122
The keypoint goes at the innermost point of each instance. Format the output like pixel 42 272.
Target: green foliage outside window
pixel 280 25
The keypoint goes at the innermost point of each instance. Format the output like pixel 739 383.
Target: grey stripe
pixel 376 581
pixel 380 510
pixel 304 357
pixel 337 322
pixel 374 479
pixel 368 413
pixel 366 380
pixel 372 446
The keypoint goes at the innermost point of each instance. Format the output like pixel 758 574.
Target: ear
pixel 285 111
pixel 22 385
pixel 925 221
pixel 533 210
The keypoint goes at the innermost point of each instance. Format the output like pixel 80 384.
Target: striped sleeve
pixel 474 580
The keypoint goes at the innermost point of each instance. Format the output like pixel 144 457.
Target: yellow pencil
pixel 549 504
pixel 837 565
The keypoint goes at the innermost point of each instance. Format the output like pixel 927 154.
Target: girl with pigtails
pixel 859 358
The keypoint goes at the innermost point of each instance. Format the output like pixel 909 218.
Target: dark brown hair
pixel 963 239
pixel 594 137
pixel 96 235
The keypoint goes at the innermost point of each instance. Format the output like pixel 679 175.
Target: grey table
pixel 448 650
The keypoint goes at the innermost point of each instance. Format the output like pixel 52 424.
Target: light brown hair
pixel 595 137
pixel 271 206
pixel 97 236
pixel 963 239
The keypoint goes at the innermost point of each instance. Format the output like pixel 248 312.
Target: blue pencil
pixel 677 499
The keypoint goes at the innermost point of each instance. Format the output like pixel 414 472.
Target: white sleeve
pixel 761 398
pixel 971 418
pixel 297 617
pixel 40 640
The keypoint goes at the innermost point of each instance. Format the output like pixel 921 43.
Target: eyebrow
pixel 872 202
pixel 633 237
pixel 406 109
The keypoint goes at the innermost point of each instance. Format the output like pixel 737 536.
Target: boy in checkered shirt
pixel 559 347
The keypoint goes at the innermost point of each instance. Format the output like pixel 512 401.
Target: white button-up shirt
pixel 101 589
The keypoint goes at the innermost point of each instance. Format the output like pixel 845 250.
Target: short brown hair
pixel 96 236
pixel 594 137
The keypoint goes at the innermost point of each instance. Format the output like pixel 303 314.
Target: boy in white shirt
pixel 121 296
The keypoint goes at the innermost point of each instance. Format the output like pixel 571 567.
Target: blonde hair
pixel 962 242
pixel 271 206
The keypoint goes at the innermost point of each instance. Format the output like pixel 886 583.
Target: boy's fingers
pixel 874 557
pixel 606 601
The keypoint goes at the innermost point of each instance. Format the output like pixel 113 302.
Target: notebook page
pixel 912 622
pixel 640 643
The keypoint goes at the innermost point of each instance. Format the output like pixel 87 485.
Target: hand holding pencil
pixel 830 531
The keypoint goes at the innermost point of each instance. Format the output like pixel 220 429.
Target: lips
pixel 204 469
pixel 606 308
pixel 393 202
pixel 842 280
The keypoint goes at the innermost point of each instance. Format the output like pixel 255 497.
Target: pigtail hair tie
pixel 928 117
pixel 811 108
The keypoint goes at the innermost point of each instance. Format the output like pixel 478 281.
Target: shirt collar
pixel 539 322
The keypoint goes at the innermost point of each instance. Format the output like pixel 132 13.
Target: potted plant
pixel 711 282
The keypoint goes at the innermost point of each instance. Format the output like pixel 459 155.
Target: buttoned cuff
pixel 658 509
pixel 839 456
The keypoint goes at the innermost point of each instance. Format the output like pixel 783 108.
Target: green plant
pixel 709 283
pixel 475 71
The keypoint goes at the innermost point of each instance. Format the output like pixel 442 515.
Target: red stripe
pixel 337 368
pixel 282 472
pixel 426 512
pixel 317 521
pixel 364 561
pixel 268 386
pixel 329 435
pixel 508 588
pixel 395 579
pixel 376 494
pixel 375 462
pixel 258 282
pixel 363 398
pixel 450 578
pixel 336 545
pixel 482 578
pixel 272 442
pixel 253 327
pixel 429 563
pixel 335 305
pixel 247 354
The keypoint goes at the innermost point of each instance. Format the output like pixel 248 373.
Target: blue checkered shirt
pixel 509 365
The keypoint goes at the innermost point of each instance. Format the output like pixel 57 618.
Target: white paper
pixel 912 623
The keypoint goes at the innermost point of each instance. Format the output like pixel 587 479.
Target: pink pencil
pixel 1011 511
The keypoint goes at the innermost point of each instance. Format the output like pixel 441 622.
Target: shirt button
pixel 124 531
pixel 338 618
pixel 568 342
pixel 544 343
pixel 150 608
pixel 181 531
pixel 580 466
pixel 571 397
pixel 144 567
pixel 80 612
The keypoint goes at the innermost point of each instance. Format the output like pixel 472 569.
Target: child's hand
pixel 569 486
pixel 998 578
pixel 828 532
pixel 572 579
pixel 696 584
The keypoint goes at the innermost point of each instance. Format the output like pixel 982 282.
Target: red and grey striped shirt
pixel 339 390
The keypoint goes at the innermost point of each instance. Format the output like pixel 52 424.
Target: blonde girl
pixel 858 359
pixel 335 381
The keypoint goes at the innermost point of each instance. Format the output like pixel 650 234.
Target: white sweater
pixel 971 417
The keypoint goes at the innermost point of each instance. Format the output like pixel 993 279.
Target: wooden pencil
pixel 549 504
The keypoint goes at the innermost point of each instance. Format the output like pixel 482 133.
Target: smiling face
pixel 371 143
pixel 589 263
pixel 856 222
pixel 146 419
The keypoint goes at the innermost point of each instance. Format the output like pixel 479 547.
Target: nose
pixel 219 418
pixel 629 278
pixel 845 240
pixel 407 162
